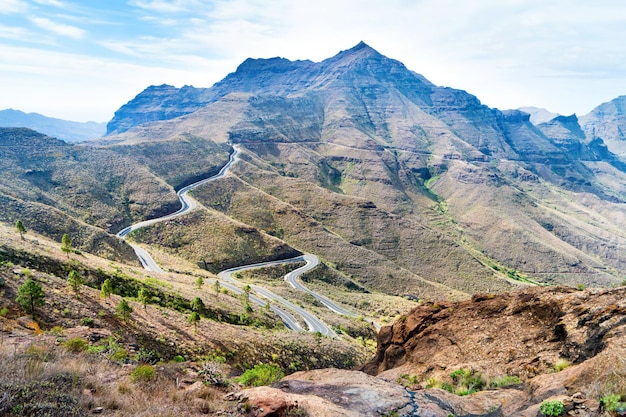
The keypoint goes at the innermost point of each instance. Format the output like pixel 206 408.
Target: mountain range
pixel 398 184
pixel 63 129
pixel 469 233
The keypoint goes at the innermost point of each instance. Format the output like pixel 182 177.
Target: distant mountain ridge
pixel 63 129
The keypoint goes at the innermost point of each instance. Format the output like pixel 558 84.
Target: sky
pixel 82 60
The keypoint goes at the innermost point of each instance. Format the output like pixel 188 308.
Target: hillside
pixel 227 335
pixel 400 184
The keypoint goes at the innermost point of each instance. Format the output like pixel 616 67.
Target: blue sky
pixel 81 60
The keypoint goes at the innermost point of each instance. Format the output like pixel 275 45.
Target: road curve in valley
pixel 292 278
pixel 289 320
pixel 313 323
pixel 188 203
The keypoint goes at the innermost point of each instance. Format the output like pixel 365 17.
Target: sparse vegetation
pixel 504 381
pixel 143 373
pixel 20 228
pixel 76 345
pixel 199 282
pixel 194 318
pixel 106 289
pixel 552 408
pixel 613 403
pixel 66 244
pixel 75 281
pixel 561 364
pixel 261 374
pixel 144 297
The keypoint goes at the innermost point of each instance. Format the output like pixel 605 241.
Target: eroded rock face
pixel 521 333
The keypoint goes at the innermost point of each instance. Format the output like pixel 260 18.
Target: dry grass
pixel 39 376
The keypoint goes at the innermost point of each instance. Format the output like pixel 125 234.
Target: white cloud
pixel 13 6
pixel 81 88
pixel 563 55
pixel 58 28
pixel 165 6
pixel 12 32
pixel 55 3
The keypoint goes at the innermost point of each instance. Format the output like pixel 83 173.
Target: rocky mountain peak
pixel 254 66
pixel 608 122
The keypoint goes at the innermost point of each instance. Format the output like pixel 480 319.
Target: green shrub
pixel 143 373
pixel 178 359
pixel 446 386
pixel 87 321
pixel 504 381
pixel 433 382
pixel 261 374
pixel 119 355
pixel 76 345
pixel 4 311
pixel 613 403
pixel 561 364
pixel 552 408
pixel 466 381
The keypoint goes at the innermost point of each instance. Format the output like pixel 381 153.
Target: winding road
pixel 188 203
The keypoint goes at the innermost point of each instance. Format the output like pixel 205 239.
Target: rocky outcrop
pixel 520 334
pixel 160 102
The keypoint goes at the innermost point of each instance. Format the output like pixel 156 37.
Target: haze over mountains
pixel 398 184
pixel 62 129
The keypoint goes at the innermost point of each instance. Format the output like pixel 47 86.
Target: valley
pixel 299 216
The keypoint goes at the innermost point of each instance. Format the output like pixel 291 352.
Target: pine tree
pixel 75 281
pixel 144 297
pixel 217 287
pixel 246 293
pixel 29 295
pixel 106 289
pixel 194 318
pixel 197 305
pixel 19 228
pixel 123 310
pixel 199 282
pixel 66 244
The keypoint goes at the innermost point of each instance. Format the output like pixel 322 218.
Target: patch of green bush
pixel 613 403
pixel 143 373
pixel 561 364
pixel 467 381
pixel 552 408
pixel 76 345
pixel 504 381
pixel 261 374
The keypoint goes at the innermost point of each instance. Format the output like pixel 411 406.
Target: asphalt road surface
pixel 313 323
